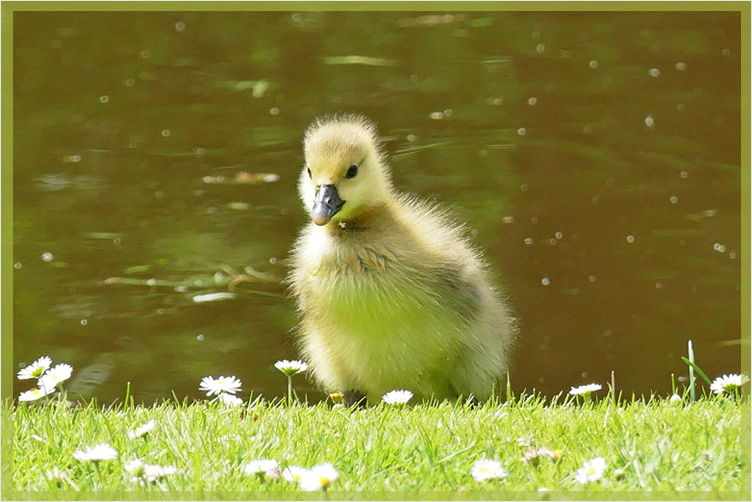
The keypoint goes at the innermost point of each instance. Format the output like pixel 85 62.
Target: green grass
pixel 701 446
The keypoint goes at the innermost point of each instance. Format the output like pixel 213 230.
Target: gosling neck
pixel 374 218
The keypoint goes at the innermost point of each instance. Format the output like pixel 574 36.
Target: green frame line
pixel 8 8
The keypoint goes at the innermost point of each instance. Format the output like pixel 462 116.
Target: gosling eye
pixel 309 173
pixel 352 171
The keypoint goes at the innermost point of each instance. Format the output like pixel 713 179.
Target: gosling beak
pixel 326 204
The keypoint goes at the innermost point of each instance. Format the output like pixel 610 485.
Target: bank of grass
pixel 652 445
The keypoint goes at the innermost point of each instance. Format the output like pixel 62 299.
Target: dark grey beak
pixel 326 204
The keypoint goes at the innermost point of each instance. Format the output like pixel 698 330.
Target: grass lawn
pixel 647 446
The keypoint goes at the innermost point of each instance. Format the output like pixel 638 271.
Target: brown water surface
pixel 594 156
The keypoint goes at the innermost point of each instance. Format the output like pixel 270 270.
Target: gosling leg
pixel 353 398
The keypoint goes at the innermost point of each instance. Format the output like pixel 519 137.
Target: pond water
pixel 595 158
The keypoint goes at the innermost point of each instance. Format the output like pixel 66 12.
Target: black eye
pixel 309 173
pixel 352 171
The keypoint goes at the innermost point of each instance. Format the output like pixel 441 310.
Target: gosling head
pixel 344 175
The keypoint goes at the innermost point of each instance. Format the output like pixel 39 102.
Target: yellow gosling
pixel 391 293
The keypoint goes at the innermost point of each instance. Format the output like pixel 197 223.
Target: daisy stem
pixel 673 384
pixel 99 472
pixel 127 395
pixel 289 390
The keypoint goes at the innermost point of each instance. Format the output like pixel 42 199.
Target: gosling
pixel 391 293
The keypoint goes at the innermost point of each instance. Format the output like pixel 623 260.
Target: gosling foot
pixel 352 398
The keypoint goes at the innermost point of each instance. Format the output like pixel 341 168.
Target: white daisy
pixel 154 472
pixel 57 375
pixel 34 394
pixel 229 399
pixel 35 369
pixel 134 467
pixel 290 368
pixel 728 383
pixel 320 477
pixel 591 471
pixel 397 397
pixel 294 473
pixel 97 453
pixel 262 467
pixel 485 469
pixel 56 475
pixel 222 384
pixel 533 456
pixel 143 430
pixel 675 399
pixel 585 389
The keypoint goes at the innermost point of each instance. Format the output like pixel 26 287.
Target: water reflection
pixel 594 156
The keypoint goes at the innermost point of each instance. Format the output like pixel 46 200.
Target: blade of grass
pixel 510 396
pixel 127 395
pixel 673 385
pixel 697 369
